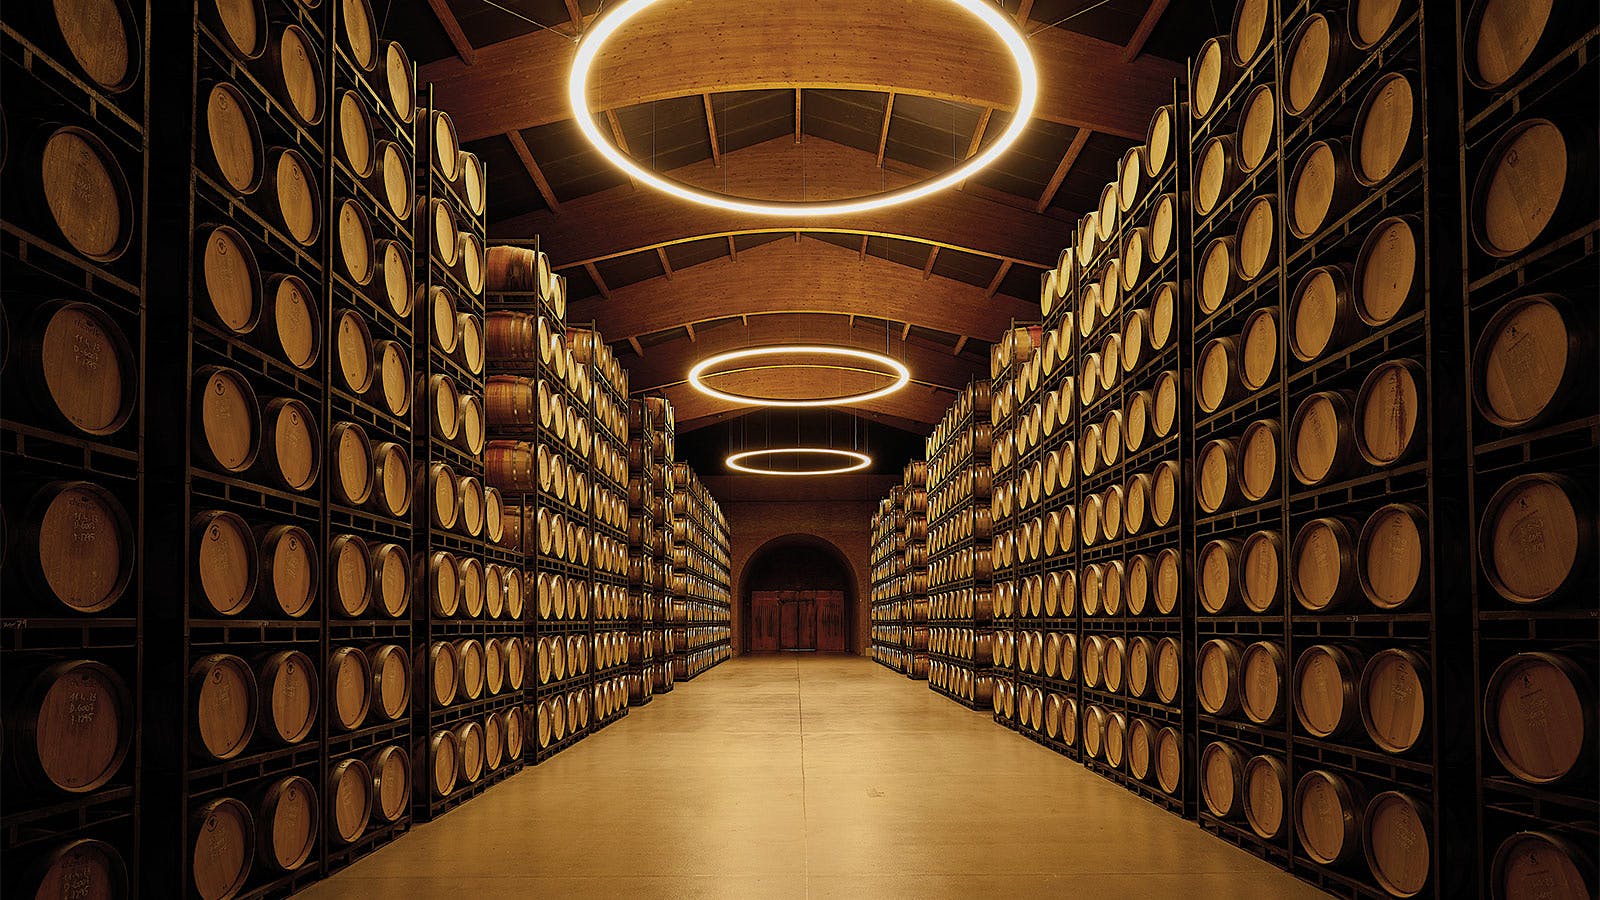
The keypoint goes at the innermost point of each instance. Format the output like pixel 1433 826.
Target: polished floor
pixel 808 776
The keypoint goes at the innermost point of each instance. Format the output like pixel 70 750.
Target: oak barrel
pixel 289 696
pixel 1217 676
pixel 298 201
pixel 1169 759
pixel 1539 716
pixel 296 328
pixel 446 148
pixel 392 174
pixel 351 568
pixel 1394 698
pixel 391 476
pixel 1217 379
pixel 228 438
pixel 1216 173
pixel 469 668
pixel 1322 188
pixel 1534 535
pixel 86 193
pixel 352 455
pixel 393 376
pixel 1163 228
pixel 352 344
pixel 71 728
pixel 1215 483
pixel 469 741
pixel 85 867
pixel 78 545
pixel 1388 272
pixel 1168 576
pixel 1327 816
pixel 1260 571
pixel 1249 32
pixel 232 279
pixel 1388 411
pixel 445 405
pixel 224 848
pixel 288 815
pixel 295 73
pixel 349 687
pixel 1258 460
pixel 1526 361
pixel 444 761
pixel 1542 864
pixel 1256 238
pixel 399 86
pixel 1256 137
pixel 1504 38
pixel 1388 129
pixel 226 571
pixel 1222 779
pixel 1326 692
pixel 391 782
pixel 223 691
pixel 360 33
pixel 391 680
pixel 243 25
pixel 234 139
pixel 1261 671
pixel 442 672
pixel 1322 313
pixel 1314 62
pixel 355 134
pixel 1218 275
pixel 1322 442
pixel 1141 748
pixel 1393 554
pixel 354 243
pixel 292 449
pixel 349 800
pixel 1214 73
pixel 1156 157
pixel 1370 21
pixel 1323 564
pixel 1266 789
pixel 1218 584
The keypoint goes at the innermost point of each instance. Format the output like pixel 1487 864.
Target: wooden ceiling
pixel 701 91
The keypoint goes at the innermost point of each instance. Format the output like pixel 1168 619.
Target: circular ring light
pixel 858 461
pixel 990 14
pixel 890 366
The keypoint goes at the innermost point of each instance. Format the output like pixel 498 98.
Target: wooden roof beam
pixel 634 343
pixel 452 30
pixel 666 265
pixel 927 268
pixel 711 129
pixel 960 346
pixel 1060 175
pixel 520 147
pixel 883 136
pixel 599 283
pixel 1147 26
pixel 994 283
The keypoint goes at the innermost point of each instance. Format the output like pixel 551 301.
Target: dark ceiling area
pixel 707 448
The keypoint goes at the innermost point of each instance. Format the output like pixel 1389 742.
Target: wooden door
pixel 764 615
pixel 807 615
pixel 790 631
pixel 832 629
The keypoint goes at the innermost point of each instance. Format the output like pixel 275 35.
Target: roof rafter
pixel 452 30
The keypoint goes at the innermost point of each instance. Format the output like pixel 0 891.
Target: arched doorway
pixel 799 595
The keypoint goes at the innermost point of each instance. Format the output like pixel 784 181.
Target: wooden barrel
pixel 1542 864
pixel 1504 38
pixel 77 544
pixel 1389 409
pixel 86 193
pixel 234 139
pixel 1539 716
pixel 446 148
pixel 473 433
pixel 472 587
pixel 1217 379
pixel 223 691
pixel 1322 313
pixel 1222 779
pixel 1168 576
pixel 226 571
pixel 359 33
pixel 444 499
pixel 1327 816
pixel 1218 585
pixel 84 867
pixel 1326 692
pixel 469 668
pixel 1525 362
pixel 1258 460
pixel 1165 408
pixel 514 724
pixel 355 135
pixel 1261 671
pixel 444 762
pixel 1393 555
pixel 1314 63
pixel 1258 351
pixel 400 91
pixel 391 782
pixel 1370 21
pixel 1216 486
pixel 1322 442
pixel 288 815
pixel 1214 73
pixel 1257 238
pixel 444 235
pixel 351 580
pixel 1388 129
pixel 443 672
pixel 1322 188
pixel 392 177
pixel 1533 537
pixel 1394 698
pixel 391 475
pixel 1169 758
pixel 1217 676
pixel 1141 748
pixel 1388 275
pixel 494 741
pixel 1249 33
pixel 241 26
pixel 1130 178
pixel 1260 571
pixel 1156 157
pixel 391 681
pixel 350 683
pixel 352 344
pixel 1266 788
pixel 294 73
pixel 1216 173
pixel 289 696
pixel 71 728
pixel 1094 731
pixel 292 450
pixel 354 242
pixel 393 376
pixel 297 199
pixel 224 848
pixel 1116 739
pixel 445 403
pixel 1218 276
pixel 1255 138
pixel 469 738
pixel 349 800
pixel 232 279
pixel 352 455
pixel 469 259
pixel 1141 575
pixel 1323 573
pixel 472 190
pixel 296 332
pixel 230 422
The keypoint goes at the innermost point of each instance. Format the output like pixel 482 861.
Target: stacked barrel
pixel 471 651
pixel 1014 371
pixel 665 479
pixel 701 595
pixel 1529 226
pixel 891 632
pixel 71 444
pixel 960 551
pixel 644 600
pixel 914 503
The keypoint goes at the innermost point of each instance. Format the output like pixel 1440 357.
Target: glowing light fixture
pixel 889 367
pixel 739 461
pixel 990 14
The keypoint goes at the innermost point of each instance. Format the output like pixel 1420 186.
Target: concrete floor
pixel 808 776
